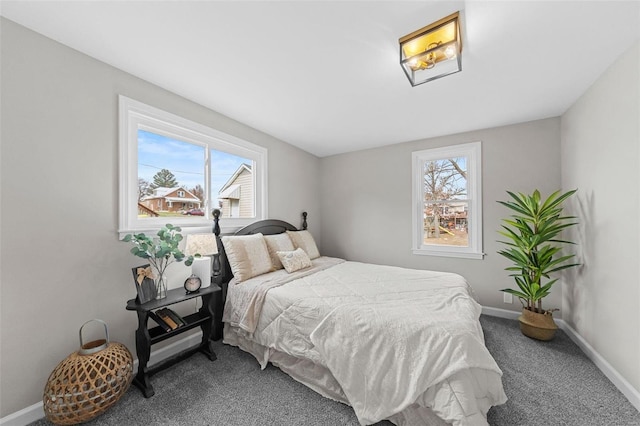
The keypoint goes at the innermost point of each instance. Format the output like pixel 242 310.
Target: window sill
pixel 186 229
pixel 455 254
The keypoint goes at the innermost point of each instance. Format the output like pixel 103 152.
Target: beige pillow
pixel 294 260
pixel 305 241
pixel 275 243
pixel 248 255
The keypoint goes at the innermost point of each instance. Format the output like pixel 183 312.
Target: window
pixel 176 171
pixel 447 201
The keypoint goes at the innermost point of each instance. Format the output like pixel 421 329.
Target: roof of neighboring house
pixel 232 192
pixel 163 192
pixel 233 177
pixel 183 200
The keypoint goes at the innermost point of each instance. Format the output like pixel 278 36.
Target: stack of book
pixel 167 319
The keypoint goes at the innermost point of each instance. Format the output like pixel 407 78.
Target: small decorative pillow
pixel 248 255
pixel 275 243
pixel 294 260
pixel 305 241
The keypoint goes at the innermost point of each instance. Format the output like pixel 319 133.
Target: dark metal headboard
pixel 221 269
pixel 267 227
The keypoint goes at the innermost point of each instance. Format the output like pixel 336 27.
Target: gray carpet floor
pixel 548 383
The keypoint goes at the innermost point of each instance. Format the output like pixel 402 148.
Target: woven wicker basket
pixel 88 381
pixel 537 326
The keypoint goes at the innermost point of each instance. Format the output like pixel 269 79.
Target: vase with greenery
pixel 160 252
pixel 535 248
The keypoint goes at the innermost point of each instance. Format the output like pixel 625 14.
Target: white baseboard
pixel 631 393
pixel 501 313
pixel 36 411
pixel 25 416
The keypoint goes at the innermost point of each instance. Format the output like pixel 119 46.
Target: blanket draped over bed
pixel 394 339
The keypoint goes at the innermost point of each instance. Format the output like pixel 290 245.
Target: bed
pixel 397 344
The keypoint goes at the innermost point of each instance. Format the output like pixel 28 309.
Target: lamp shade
pixel 432 52
pixel 202 244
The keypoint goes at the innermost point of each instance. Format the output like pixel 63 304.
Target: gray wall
pixel 62 263
pixel 366 201
pixel 600 155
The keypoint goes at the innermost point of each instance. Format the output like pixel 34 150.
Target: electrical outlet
pixel 508 297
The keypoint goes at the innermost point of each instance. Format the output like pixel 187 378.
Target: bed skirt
pixel 318 378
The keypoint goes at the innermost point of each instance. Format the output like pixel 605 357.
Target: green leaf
pixel 515 293
pixel 533 243
pixel 161 250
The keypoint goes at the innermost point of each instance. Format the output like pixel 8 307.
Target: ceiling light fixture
pixel 433 51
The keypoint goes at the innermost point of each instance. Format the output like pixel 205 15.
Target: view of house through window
pixel 170 176
pixel 174 170
pixel 445 202
pixel 171 179
pixel 232 185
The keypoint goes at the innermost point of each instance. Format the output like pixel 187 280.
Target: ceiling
pixel 325 75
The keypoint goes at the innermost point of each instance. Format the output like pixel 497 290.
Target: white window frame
pixel 135 115
pixel 473 152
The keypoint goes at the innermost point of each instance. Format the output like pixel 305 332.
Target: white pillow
pixel 248 255
pixel 305 241
pixel 294 260
pixel 276 243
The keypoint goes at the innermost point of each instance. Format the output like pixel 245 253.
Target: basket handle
pixel 92 350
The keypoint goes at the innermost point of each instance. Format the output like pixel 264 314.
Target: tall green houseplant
pixel 533 244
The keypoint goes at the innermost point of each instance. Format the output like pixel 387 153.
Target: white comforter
pixel 394 339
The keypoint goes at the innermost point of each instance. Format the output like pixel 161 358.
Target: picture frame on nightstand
pixel 143 280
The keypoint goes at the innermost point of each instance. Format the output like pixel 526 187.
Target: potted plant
pixel 534 248
pixel 160 252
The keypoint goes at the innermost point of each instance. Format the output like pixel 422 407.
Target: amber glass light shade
pixel 432 52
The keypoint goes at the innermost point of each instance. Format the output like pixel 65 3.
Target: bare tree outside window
pixel 144 188
pixel 445 201
pixel 198 191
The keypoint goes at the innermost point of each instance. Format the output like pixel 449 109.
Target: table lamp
pixel 205 245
